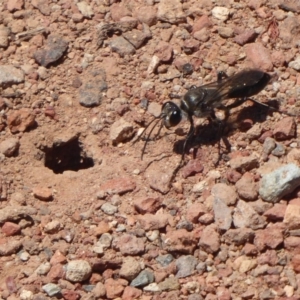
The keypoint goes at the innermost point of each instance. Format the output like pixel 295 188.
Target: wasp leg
pixel 187 139
pixel 237 103
pixel 221 75
pixel 189 136
pixel 271 107
pixel 174 96
pixel 159 130
pixel 263 104
pixel 240 101
pixel 220 124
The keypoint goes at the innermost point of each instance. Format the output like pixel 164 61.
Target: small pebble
pixel 144 278
pixel 26 295
pixel 109 209
pixel 279 150
pixel 164 260
pixel 51 289
pixel 280 182
pixel 221 13
pixel 78 270
pixel 269 145
pixel 24 255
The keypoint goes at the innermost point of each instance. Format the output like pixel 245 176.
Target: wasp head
pixel 171 114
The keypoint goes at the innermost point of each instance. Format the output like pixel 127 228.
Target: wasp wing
pixel 241 85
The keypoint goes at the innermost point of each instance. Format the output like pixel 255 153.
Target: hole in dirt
pixel 67 156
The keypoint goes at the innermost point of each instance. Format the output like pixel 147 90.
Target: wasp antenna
pixel 144 131
pixel 147 139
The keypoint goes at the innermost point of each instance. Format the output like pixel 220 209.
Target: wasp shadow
pixel 215 131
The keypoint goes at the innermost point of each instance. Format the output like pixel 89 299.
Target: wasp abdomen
pixel 248 83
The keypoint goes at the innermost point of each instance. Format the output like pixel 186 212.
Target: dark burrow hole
pixel 67 156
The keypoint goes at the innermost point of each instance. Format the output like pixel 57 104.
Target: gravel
pixel 83 215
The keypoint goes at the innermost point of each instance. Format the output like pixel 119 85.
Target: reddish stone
pixel 50 112
pixel 10 228
pixel 206 219
pixel 286 298
pixel 202 22
pixel 180 241
pixel 233 176
pixel 259 56
pixel 243 163
pixel 179 62
pixel 245 37
pixel 224 193
pixel 293 156
pixel 296 263
pixel 254 4
pixel 70 295
pixel 223 293
pixel 13 5
pixel 195 211
pixel 54 48
pixel 152 222
pixel 269 257
pixel 276 213
pixel 246 216
pixel 191 168
pixel 77 17
pixel 278 58
pixel 164 51
pixel 272 280
pixel 160 275
pixel 9 147
pixel 246 187
pixel 11 284
pixel 224 272
pixel 131 293
pixel 270 237
pixel 114 288
pixel 239 236
pixel 285 129
pixel 20 120
pixel 265 135
pixel 108 273
pixel 130 268
pixel 292 244
pixel 95 278
pixel 130 244
pixel 56 272
pixel 147 205
pixel 58 258
pixel 119 186
pixel 42 193
pixel 103 227
pixel 9 246
pixel 147 15
pixel 210 239
pixel 99 290
pixel 118 11
pixel 191 45
pixel 292 216
pixel 250 293
pixel 250 250
pixel 295 201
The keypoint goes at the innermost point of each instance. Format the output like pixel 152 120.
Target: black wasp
pixel 201 101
